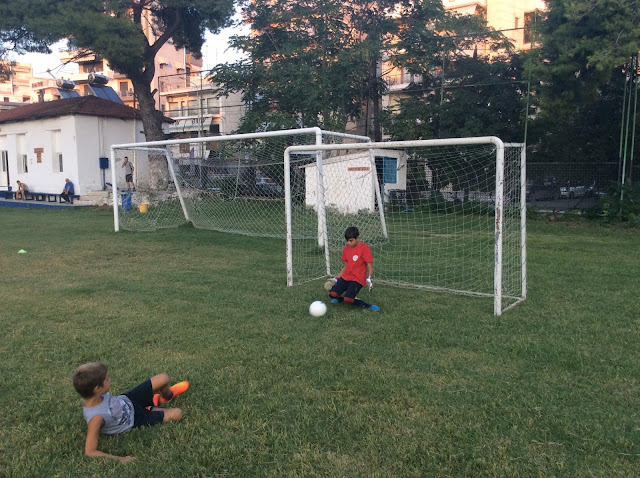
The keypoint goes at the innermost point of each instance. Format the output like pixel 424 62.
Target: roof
pixel 83 105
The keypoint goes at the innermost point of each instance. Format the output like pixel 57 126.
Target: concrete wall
pixel 81 140
pixel 349 181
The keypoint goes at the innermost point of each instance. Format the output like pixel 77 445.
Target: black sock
pixel 361 303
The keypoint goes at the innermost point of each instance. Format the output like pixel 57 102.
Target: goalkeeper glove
pixel 370 284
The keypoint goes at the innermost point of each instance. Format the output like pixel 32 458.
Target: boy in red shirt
pixel 357 270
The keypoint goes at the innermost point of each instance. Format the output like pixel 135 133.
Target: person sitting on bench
pixel 67 192
pixel 22 188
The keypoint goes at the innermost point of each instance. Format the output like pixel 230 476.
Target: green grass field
pixel 435 385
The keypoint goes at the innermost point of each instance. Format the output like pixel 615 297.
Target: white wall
pixel 82 140
pixel 349 181
pixel 98 134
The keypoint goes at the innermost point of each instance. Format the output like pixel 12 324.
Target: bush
pixel 621 205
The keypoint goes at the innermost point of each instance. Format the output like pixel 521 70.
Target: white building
pixel 350 179
pixel 41 144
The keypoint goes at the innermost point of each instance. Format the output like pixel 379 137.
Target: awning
pixel 191 124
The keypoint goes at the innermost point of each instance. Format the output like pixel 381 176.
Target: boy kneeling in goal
pixel 357 270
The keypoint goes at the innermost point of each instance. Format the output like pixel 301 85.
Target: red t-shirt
pixel 356 259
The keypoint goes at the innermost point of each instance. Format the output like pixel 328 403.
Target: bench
pixel 31 195
pixel 49 197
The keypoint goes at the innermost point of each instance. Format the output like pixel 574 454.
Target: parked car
pixel 542 189
pixel 577 191
pixel 268 187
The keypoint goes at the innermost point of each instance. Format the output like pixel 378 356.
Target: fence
pixel 570 186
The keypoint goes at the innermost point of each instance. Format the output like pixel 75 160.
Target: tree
pixel 457 93
pixel 585 52
pixel 14 36
pixel 316 62
pixel 113 30
pixel 303 69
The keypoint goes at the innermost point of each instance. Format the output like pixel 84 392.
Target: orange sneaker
pixel 177 389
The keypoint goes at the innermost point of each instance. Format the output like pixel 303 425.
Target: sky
pixel 214 51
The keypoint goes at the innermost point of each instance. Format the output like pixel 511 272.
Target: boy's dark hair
pixel 89 376
pixel 351 233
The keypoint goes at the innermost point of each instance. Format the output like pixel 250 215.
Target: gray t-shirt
pixel 117 413
pixel 127 168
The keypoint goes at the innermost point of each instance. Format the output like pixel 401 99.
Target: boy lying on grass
pixel 110 414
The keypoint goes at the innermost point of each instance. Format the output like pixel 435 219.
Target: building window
pixel 23 166
pixel 529 25
pixel 56 160
pixel 92 67
pixel 4 155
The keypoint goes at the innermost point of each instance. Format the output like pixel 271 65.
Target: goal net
pixel 446 215
pixel 232 183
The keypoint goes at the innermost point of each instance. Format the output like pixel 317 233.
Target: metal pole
pixel 626 134
pixel 287 209
pixel 624 105
pixel 176 183
pixel 633 129
pixel 499 220
pixel 523 218
pixel 376 186
pixel 114 191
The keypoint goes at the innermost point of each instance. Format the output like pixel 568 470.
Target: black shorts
pixel 142 397
pixel 128 178
pixel 350 288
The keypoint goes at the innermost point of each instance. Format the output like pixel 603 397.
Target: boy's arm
pixel 91 444
pixel 342 271
pixel 369 272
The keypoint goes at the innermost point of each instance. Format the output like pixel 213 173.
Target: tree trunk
pixel 152 125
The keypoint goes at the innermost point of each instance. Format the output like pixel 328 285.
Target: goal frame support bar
pixel 499 199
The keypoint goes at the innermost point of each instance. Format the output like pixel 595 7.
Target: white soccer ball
pixel 318 308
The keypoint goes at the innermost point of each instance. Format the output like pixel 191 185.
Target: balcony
pixel 126 94
pixel 193 112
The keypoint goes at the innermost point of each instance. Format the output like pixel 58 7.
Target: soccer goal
pixel 231 183
pixel 446 215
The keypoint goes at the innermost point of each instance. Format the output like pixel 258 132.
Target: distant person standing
pixel 128 171
pixel 67 192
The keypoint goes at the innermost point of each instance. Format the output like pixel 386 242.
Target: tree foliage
pixel 458 92
pixel 314 62
pixel 16 37
pixel 585 51
pixel 113 29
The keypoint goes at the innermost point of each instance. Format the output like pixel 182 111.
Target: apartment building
pixel 168 61
pixel 16 90
pixel 514 18
pixel 190 100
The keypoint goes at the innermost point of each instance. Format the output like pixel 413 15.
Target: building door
pixel 4 169
pixel 387 171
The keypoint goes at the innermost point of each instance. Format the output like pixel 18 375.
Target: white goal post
pixel 452 212
pixel 230 183
pixel 445 215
